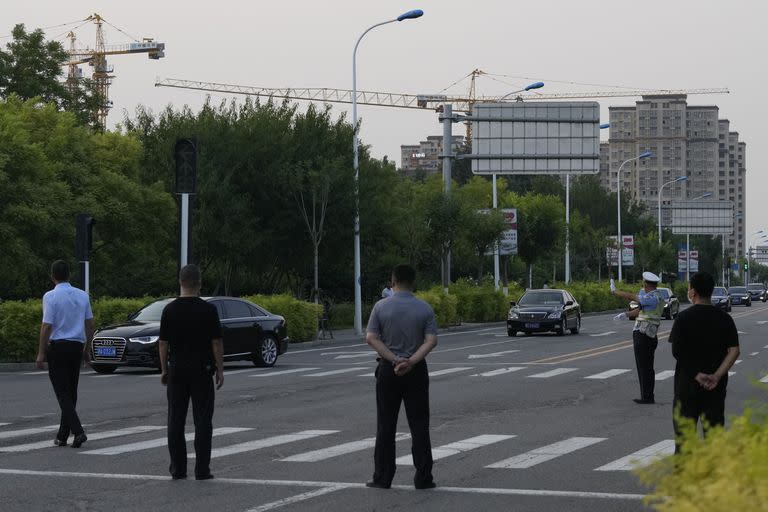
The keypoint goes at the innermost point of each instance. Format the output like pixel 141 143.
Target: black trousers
pixel 183 386
pixel 64 361
pixel 645 348
pixel 695 402
pixel 391 390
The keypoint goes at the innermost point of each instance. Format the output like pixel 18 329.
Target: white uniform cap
pixel 651 277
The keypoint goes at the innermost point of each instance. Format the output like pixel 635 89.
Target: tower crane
pixel 96 57
pixel 461 103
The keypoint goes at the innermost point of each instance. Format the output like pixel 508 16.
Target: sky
pixel 654 44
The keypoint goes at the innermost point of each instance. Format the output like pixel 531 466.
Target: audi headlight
pixel 513 315
pixel 555 314
pixel 144 340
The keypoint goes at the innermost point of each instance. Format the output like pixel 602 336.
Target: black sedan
pixel 757 291
pixel 671 303
pixel 740 296
pixel 544 311
pixel 721 299
pixel 249 331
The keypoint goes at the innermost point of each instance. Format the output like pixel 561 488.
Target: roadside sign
pixel 628 252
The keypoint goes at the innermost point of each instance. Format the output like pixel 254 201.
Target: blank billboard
pixel 702 217
pixel 536 138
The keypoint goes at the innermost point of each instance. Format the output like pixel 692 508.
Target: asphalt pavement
pixel 534 423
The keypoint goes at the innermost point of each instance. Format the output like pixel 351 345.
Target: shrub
pixel 681 290
pixel 596 296
pixel 479 303
pixel 20 330
pixel 112 311
pixel 343 315
pixel 726 471
pixel 301 317
pixel 443 304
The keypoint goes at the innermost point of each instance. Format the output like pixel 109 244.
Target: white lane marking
pixel 36 373
pixel 449 370
pixel 731 374
pixel 4 424
pixel 738 361
pixel 764 379
pixel 101 376
pixel 339 449
pixel 665 374
pixel 283 372
pixel 465 445
pixel 337 353
pixel 343 485
pixel 234 372
pixel 353 356
pixel 493 354
pixel 250 446
pixel 156 443
pixel 91 437
pixel 552 373
pixel 296 499
pixel 500 371
pixel 765 346
pixel 331 372
pixel 602 334
pixel 762 322
pixel 471 346
pixel 641 457
pixel 9 434
pixel 467 332
pixel 742 332
pixel 372 374
pixel 608 374
pixel 754 353
pixel 546 453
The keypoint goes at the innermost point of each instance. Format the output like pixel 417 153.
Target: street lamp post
pixel 619 242
pixel 416 13
pixel 661 189
pixel 496 266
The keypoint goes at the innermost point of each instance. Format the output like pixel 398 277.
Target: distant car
pixel 249 332
pixel 545 310
pixel 740 296
pixel 757 291
pixel 671 303
pixel 721 299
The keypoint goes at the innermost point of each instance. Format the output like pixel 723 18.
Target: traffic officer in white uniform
pixel 647 319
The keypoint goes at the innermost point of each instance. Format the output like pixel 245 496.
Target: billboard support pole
pixel 496 250
pixel 447 119
pixel 688 257
pixel 568 228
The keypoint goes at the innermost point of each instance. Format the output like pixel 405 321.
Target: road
pixel 531 423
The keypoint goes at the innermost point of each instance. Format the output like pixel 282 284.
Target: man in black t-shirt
pixel 705 343
pixel 191 350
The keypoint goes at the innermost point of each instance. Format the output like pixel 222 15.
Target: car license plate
pixel 531 326
pixel 106 351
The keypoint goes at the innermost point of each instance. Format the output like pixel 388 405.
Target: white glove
pixel 613 285
pixel 621 316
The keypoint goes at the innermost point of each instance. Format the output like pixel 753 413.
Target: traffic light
pixel 746 266
pixel 83 236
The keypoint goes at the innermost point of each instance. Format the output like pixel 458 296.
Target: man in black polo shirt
pixel 191 350
pixel 705 343
pixel 402 330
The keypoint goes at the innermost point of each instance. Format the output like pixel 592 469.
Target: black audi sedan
pixel 544 311
pixel 721 299
pixel 740 296
pixel 249 331
pixel 671 303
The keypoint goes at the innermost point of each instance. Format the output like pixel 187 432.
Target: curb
pixel 17 367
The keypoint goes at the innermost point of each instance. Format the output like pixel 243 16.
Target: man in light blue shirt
pixel 66 331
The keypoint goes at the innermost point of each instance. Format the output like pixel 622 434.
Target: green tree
pixel 31 67
pixel 483 229
pixel 51 169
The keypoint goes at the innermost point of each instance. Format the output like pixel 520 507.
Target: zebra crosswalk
pixel 441 373
pixel 336 444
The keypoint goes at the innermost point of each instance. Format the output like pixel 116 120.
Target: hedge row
pixel 300 316
pixel 20 320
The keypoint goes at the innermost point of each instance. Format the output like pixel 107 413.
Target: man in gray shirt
pixel 402 330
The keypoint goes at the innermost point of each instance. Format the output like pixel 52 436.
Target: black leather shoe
pixel 425 485
pixel 79 439
pixel 377 485
pixel 643 401
pixel 209 476
pixel 178 477
pixel 59 442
